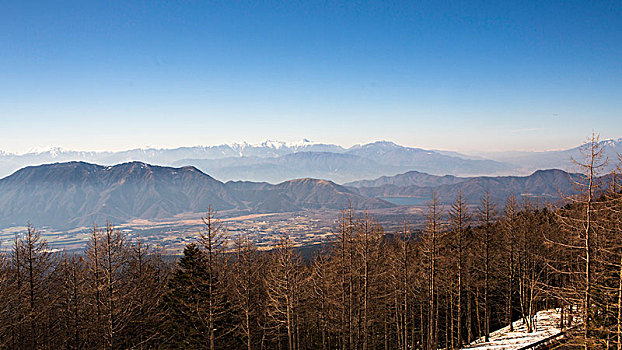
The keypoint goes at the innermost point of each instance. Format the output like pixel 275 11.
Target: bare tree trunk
pixel 487 213
pixel 110 286
pixel 422 326
pixel 432 230
pixel 31 284
pixel 459 296
pixel 594 154
pixel 452 317
pixel 477 314
pixel 459 217
pixel 469 316
pixel 447 326
pixel 510 217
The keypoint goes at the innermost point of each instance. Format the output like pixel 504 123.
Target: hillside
pixel 428 161
pixel 545 184
pixel 411 178
pixel 65 195
pixel 546 333
pixel 75 194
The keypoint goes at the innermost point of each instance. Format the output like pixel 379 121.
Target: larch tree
pixel 38 265
pixel 460 217
pixel 282 282
pixel 431 233
pixel 487 213
pixel 246 289
pixel 510 233
pixel 213 244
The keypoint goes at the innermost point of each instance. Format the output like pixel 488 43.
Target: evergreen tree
pixel 186 326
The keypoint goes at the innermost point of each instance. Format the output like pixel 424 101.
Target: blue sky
pixel 465 76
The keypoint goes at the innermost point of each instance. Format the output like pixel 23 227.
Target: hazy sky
pixel 472 75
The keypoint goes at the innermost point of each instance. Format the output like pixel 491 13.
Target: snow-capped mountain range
pixel 276 161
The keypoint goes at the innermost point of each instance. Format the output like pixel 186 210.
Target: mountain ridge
pixel 75 194
pixel 550 184
pixel 270 158
pixel 410 178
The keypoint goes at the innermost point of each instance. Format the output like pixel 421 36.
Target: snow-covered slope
pixel 546 324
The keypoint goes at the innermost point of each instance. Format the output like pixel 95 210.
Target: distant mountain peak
pixel 548 171
pixel 611 142
pixel 276 144
pixel 381 143
pixel 273 144
pixel 384 142
pixel 312 180
pixel 53 151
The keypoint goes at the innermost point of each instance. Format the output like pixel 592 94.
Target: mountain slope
pixel 431 162
pixel 74 194
pixel 336 167
pixel 546 184
pixel 411 178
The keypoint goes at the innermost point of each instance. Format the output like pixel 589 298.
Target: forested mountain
pixel 548 185
pixel 411 178
pixel 74 194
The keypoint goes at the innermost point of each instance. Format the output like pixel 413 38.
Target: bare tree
pixel 38 265
pixel 487 213
pixel 282 282
pixel 213 243
pixel 510 228
pixel 111 294
pixel 431 235
pixel 71 289
pixel 460 217
pixel 247 288
pixel 93 257
pixel 401 273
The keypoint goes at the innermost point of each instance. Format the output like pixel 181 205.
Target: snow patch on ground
pixel 546 325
